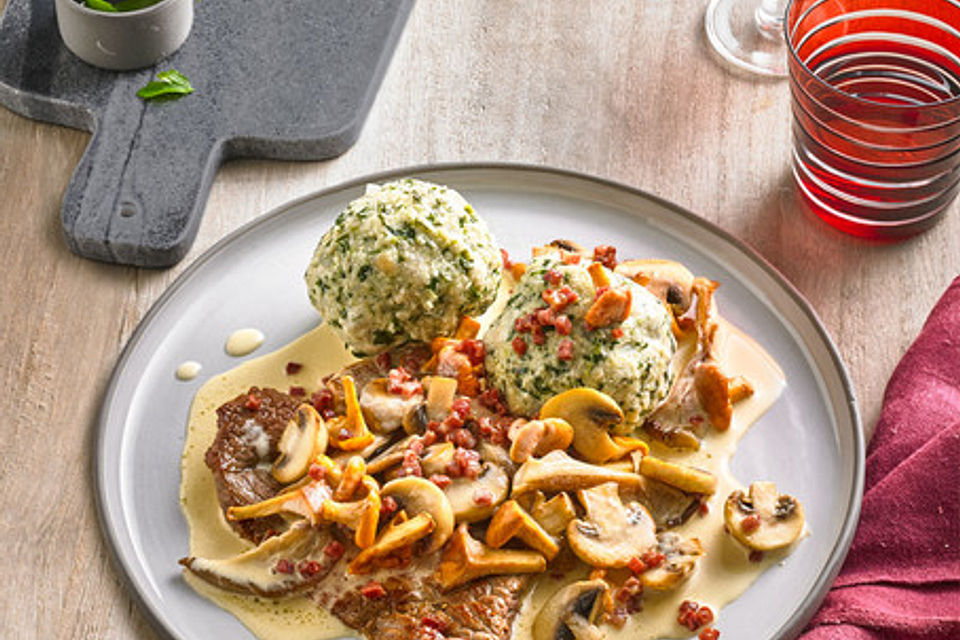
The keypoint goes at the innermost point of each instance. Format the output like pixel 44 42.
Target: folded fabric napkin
pixel 901 579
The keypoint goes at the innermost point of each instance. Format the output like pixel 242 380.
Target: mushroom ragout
pixel 405 496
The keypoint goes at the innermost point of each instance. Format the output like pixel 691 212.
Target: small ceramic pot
pixel 124 40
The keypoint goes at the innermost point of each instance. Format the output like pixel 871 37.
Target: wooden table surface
pixel 628 92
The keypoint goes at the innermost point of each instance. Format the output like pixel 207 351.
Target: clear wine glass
pixel 749 34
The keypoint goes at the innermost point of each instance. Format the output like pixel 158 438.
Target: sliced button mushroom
pixel 764 519
pixel 612 533
pixel 415 421
pixel 349 432
pixel 437 458
pixel 441 393
pixel 389 457
pixel 474 499
pixel 397 536
pixel 559 246
pixel 256 571
pixel 557 471
pixel 668 280
pixel 539 437
pixel 511 521
pixel 592 415
pixel 668 506
pixel 681 476
pixel 415 496
pixel 497 455
pixel 385 410
pixel 304 437
pixel 572 613
pixel 681 558
pixel 466 559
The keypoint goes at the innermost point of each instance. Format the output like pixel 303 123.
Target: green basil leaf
pixel 167 83
pixel 100 5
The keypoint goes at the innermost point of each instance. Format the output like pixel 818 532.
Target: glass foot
pixel 748 34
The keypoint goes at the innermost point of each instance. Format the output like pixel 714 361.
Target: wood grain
pixel 623 90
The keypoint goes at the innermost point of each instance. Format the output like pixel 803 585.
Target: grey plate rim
pixel 804 610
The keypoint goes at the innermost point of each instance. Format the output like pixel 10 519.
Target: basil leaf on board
pixel 167 83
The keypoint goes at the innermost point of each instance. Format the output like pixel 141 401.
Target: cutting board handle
pixel 138 193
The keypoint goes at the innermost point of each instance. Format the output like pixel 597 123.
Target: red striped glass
pixel 876 111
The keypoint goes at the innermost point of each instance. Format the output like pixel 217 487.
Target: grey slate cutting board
pixel 283 79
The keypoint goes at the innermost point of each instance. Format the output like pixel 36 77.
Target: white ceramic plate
pixel 809 441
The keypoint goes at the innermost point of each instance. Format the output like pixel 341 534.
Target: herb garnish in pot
pixel 119 5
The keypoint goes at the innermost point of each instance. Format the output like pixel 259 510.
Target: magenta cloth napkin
pixel 901 579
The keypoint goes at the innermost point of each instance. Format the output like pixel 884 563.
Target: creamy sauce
pixel 725 571
pixel 188 370
pixel 722 575
pixel 243 342
pixel 320 351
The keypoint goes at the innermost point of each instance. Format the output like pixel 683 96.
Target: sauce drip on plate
pixel 243 342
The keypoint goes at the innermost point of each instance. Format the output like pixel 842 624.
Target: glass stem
pixel 769 18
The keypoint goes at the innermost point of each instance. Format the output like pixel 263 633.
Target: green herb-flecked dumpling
pixel 629 360
pixel 403 262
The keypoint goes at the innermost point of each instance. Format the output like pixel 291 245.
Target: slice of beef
pixel 245 444
pixel 413 608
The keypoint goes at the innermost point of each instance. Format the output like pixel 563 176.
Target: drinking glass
pixel 748 34
pixel 875 90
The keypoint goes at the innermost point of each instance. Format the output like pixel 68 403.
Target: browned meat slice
pixel 411 609
pixel 248 429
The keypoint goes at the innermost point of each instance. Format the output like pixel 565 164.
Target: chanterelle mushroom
pixel 557 471
pixel 681 476
pixel 592 414
pixel 572 612
pixel 306 501
pixel 764 519
pixel 466 559
pixel 361 515
pixel 349 432
pixel 416 495
pixel 511 521
pixel 612 533
pixel 395 537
